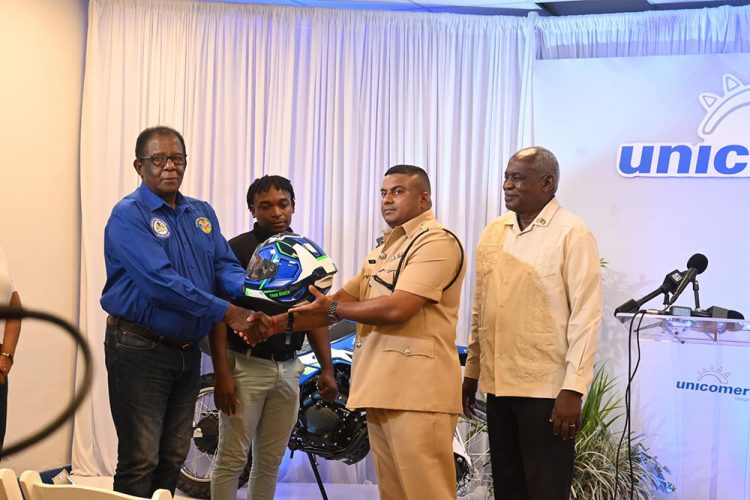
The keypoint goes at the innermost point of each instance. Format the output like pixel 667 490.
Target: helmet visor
pixel 261 268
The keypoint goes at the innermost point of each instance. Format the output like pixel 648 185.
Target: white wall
pixel 42 45
pixel 646 226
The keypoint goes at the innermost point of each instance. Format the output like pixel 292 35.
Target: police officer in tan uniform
pixel 405 371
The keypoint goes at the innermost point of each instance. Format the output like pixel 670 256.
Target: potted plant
pixel 601 453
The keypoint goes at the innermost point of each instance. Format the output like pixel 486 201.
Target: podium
pixel 691 398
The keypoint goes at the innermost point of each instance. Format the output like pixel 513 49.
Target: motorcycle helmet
pixel 283 267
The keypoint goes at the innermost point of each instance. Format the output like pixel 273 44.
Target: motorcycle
pixel 330 430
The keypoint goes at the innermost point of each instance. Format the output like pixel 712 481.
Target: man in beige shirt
pixel 535 325
pixel 405 370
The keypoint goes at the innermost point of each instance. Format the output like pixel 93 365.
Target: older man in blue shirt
pixel 166 263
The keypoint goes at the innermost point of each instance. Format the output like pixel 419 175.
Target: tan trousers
pixel 413 453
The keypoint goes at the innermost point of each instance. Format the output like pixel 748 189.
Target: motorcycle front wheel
pixel 195 474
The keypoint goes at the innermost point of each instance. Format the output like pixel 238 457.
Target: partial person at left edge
pixel 167 267
pixel 8 296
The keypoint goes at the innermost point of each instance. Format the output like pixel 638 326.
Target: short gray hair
pixel 540 159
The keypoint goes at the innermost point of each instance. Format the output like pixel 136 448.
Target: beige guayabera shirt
pixel 537 306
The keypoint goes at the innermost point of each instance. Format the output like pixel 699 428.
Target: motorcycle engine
pixel 321 419
pixel 327 428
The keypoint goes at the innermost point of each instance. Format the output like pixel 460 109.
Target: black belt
pixel 136 329
pixel 279 356
pixel 274 356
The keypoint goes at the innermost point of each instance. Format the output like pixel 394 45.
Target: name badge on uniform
pixel 395 256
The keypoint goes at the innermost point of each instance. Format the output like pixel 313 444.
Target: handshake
pixel 253 326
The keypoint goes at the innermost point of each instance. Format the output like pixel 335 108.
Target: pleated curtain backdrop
pixel 328 98
pixel 331 99
pixel 718 30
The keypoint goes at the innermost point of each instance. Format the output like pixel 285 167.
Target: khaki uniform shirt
pixel 537 306
pixel 412 365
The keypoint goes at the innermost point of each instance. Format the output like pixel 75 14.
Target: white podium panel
pixel 691 398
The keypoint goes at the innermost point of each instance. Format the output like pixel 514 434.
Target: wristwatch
pixel 331 314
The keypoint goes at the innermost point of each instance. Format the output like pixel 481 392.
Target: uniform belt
pixel 136 329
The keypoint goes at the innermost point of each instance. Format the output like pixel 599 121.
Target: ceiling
pixel 506 7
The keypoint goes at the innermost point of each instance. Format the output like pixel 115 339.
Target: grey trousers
pixel 269 400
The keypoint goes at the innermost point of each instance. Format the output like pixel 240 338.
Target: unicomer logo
pixel 714 380
pixel 723 152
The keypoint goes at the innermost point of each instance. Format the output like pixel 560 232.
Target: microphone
pixel 696 265
pixel 671 282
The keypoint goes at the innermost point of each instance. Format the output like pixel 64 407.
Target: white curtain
pixel 679 32
pixel 328 98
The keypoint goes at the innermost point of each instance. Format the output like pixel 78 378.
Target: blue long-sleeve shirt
pixel 165 266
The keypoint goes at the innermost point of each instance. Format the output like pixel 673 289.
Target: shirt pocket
pixel 205 243
pixel 548 262
pixel 384 277
pixel 410 346
pixel 538 353
pixel 544 291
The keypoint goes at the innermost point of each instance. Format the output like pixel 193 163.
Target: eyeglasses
pixel 161 160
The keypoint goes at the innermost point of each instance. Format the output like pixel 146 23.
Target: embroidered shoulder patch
pixel 160 227
pixel 204 224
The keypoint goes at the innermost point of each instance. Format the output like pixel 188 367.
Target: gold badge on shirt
pixel 204 224
pixel 160 227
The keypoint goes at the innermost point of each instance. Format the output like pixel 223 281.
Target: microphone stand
pixel 696 289
pixel 698 311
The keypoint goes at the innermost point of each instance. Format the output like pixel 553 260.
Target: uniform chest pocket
pixel 203 243
pixel 410 346
pixel 385 277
